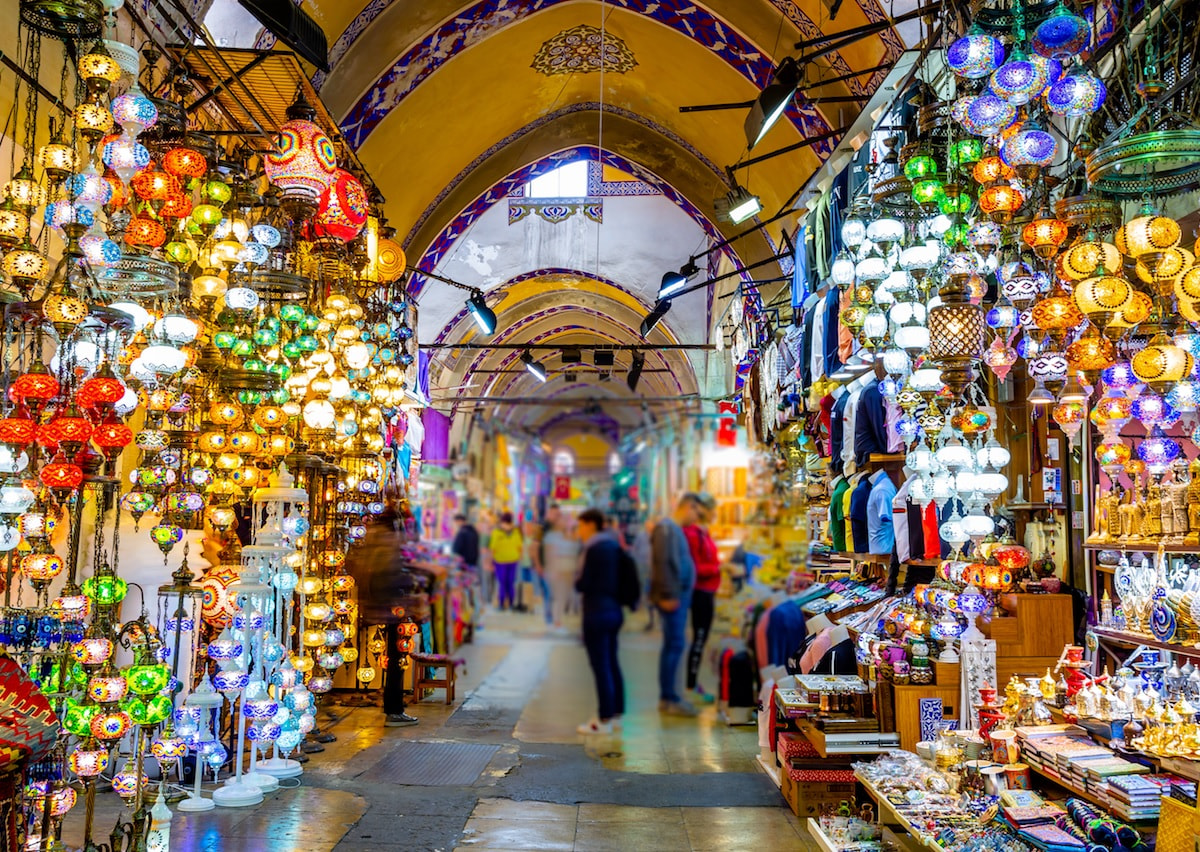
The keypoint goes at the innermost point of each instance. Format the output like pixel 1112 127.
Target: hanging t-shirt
pixel 837 514
pixel 859 515
pixel 929 526
pixel 846 503
pixel 880 532
pixel 817 356
pixel 870 426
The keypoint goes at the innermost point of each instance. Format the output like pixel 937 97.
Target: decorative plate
pixel 1162 621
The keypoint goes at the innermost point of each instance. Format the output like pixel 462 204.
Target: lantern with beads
pixel 342 208
pixel 302 163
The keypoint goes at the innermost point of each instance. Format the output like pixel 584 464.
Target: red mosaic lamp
pixel 34 388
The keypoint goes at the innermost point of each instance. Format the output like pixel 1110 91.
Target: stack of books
pixel 1025 809
pixel 1099 772
pixel 1139 797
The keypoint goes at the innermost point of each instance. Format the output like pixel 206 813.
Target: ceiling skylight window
pixel 569 181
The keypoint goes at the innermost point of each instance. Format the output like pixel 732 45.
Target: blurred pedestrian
pixel 560 554
pixel 505 549
pixel 672 578
pixel 598 584
pixel 708 579
pixel 640 550
pixel 377 565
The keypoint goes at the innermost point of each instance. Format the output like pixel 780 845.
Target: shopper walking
pixel 560 554
pixel 466 543
pixel 708 578
pixel 599 583
pixel 377 566
pixel 672 577
pixel 640 550
pixel 505 549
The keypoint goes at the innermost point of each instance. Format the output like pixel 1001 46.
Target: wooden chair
pixel 426 679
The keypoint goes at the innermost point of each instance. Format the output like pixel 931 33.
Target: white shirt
pixel 900 521
pixel 855 390
pixel 817 361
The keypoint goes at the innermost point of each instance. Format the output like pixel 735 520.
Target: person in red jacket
pixel 708 578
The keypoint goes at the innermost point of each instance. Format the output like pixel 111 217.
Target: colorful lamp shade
pixel 1161 364
pixel 126 157
pixel 1057 313
pixel 1164 266
pixel 1086 257
pixel 88 762
pixel 342 208
pixel 1061 35
pixel 185 163
pixel 1091 354
pixel 987 114
pixel 302 162
pixel 1030 146
pixel 1078 93
pixel 1158 451
pixel 975 55
pixel 134 111
pixel 1147 234
pixel 1044 234
pixel 1001 200
pixel 1019 80
pixel 1103 297
pixel 1152 410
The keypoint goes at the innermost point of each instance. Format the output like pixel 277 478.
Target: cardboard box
pixel 792 744
pixel 805 798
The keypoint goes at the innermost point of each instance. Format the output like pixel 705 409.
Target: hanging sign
pixel 562 488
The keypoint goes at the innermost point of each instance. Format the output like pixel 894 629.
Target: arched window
pixel 563 462
pixel 569 181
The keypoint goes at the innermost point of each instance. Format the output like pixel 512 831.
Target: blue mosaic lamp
pixel 975 55
pixel 1061 35
pixel 1029 146
pixel 988 114
pixel 1154 411
pixel 134 111
pixel 1078 93
pixel 1119 376
pixel 1020 79
pixel 1158 451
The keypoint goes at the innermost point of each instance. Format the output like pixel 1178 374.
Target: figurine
pixel 1177 489
pixel 1100 521
pixel 1131 521
pixel 1193 505
pixel 1152 513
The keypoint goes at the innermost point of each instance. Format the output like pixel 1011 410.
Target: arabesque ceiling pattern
pixel 453 104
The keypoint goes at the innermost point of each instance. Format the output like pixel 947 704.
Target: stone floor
pixel 663 784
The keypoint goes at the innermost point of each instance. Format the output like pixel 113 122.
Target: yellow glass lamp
pixel 1084 258
pixel 1044 234
pixel 1162 364
pixel 1102 297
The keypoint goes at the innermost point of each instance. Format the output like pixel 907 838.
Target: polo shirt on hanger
pixel 837 514
pixel 847 502
pixel 881 534
pixel 846 336
pixel 860 531
pixel 853 392
pixel 837 428
pixel 891 417
pixel 806 341
pixel 830 338
pixel 820 325
pixel 906 523
pixel 870 425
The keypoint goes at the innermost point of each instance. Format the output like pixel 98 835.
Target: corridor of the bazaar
pixel 599 425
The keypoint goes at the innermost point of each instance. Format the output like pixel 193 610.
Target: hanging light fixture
pixel 655 317
pixel 772 102
pixel 484 316
pixel 534 368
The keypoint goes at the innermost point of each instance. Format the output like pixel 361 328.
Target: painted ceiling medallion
pixel 583 49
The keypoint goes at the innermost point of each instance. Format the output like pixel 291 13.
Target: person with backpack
pixel 601 585
pixel 672 578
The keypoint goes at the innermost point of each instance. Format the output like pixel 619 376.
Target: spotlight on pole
pixel 655 317
pixel 484 316
pixel 535 369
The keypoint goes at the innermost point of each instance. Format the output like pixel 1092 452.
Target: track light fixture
pixel 673 282
pixel 635 370
pixel 739 205
pixel 772 101
pixel 484 316
pixel 535 369
pixel 655 316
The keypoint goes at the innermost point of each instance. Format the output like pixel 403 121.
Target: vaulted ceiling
pixel 445 100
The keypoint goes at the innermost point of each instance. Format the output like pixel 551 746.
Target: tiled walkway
pixel 663 784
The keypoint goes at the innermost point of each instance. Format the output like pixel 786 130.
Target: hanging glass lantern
pixel 1078 93
pixel 302 162
pixel 1062 35
pixel 975 55
pixel 1162 364
pixel 987 114
pixel 1001 200
pixel 1020 79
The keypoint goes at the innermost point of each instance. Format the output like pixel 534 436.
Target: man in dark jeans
pixel 598 583
pixel 672 577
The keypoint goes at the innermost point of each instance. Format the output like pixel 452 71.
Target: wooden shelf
pixel 1083 794
pixel 1139 547
pixel 1035 507
pixel 816 737
pixel 1133 640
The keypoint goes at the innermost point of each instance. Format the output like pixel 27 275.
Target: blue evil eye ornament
pixel 975 55
pixel 1079 93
